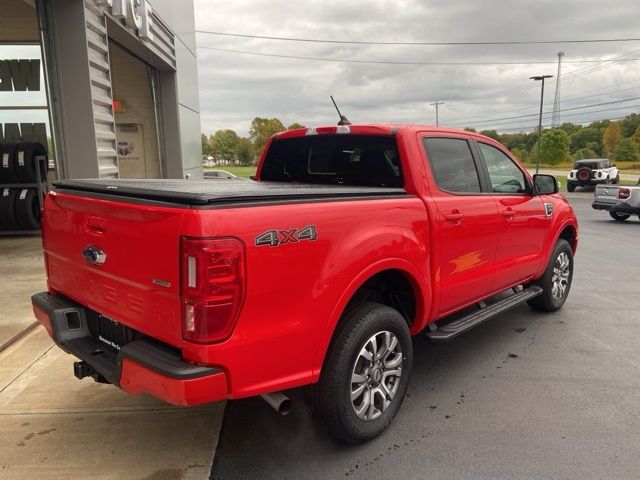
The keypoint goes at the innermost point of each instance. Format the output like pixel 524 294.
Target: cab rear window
pixel 365 160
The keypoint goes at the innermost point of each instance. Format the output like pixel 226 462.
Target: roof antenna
pixel 343 120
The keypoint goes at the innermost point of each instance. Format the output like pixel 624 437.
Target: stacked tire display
pixel 19 180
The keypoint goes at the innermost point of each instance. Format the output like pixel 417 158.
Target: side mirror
pixel 545 184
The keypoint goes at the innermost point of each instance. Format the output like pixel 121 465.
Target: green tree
pixel 587 137
pixel 295 125
pixel 629 124
pixel 470 129
pixel 636 136
pixel 626 151
pixel 244 151
pixel 491 134
pixel 554 147
pixel 520 154
pixel 611 138
pixel 584 153
pixel 206 149
pixel 224 145
pixel 261 131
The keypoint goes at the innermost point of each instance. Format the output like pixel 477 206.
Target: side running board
pixel 457 327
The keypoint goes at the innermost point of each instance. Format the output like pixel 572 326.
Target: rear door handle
pixel 454 217
pixel 509 214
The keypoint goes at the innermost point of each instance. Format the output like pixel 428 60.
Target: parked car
pixel 620 202
pixel 351 240
pixel 591 172
pixel 217 174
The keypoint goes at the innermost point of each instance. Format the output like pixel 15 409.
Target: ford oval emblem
pixel 94 255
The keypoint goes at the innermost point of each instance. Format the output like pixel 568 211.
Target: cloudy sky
pixel 236 87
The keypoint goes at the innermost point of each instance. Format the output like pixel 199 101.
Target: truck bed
pixel 220 192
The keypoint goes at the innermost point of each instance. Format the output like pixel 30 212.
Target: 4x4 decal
pixel 274 238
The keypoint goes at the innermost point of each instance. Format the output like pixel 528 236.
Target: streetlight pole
pixel 540 77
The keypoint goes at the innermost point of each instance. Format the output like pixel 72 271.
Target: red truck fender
pixel 415 277
pixel 563 226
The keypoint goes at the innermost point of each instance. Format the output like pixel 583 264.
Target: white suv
pixel 592 171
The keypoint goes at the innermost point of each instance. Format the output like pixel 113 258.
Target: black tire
pixel 547 302
pixel 619 216
pixel 7 209
pixel 332 394
pixel 571 187
pixel 27 209
pixel 25 162
pixel 616 181
pixel 7 163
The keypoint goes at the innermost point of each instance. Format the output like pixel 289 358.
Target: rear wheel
pixel 556 280
pixel 571 187
pixel 619 216
pixel 366 373
pixel 616 181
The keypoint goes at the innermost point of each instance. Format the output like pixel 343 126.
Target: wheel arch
pixel 383 270
pixel 570 234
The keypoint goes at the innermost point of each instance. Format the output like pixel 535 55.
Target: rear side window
pixel 452 164
pixel 365 160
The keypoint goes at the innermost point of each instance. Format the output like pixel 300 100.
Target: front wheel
pixel 366 373
pixel 619 216
pixel 556 280
pixel 571 187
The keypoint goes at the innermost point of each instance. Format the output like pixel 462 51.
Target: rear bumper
pixel 622 207
pixel 585 183
pixel 140 366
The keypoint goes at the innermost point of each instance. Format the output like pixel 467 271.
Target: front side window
pixel 452 164
pixel 505 176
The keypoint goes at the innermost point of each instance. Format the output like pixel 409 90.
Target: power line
pixel 567 100
pixel 388 62
pixel 575 73
pixel 362 42
pixel 493 121
pixel 533 127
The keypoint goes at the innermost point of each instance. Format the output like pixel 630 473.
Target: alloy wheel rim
pixel 560 278
pixel 375 376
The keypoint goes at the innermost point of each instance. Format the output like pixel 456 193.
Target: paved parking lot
pixel 526 395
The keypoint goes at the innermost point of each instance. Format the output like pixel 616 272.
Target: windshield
pixel 367 160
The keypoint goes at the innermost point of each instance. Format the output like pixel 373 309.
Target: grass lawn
pixel 562 180
pixel 632 168
pixel 244 172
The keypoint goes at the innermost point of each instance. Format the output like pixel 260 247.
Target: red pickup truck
pixel 350 240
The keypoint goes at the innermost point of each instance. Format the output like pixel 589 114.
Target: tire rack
pixel 41 164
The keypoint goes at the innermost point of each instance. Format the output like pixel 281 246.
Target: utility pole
pixel 437 105
pixel 555 117
pixel 538 78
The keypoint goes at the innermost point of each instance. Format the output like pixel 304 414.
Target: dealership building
pixel 110 87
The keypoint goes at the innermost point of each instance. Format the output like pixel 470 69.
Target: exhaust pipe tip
pixel 278 401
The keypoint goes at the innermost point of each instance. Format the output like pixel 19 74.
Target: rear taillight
pixel 624 193
pixel 212 287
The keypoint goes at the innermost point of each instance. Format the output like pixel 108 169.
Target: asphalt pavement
pixel 526 395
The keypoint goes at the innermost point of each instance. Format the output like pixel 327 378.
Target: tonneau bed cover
pixel 213 192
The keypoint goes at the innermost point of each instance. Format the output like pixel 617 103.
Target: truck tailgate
pixel 607 194
pixel 138 283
